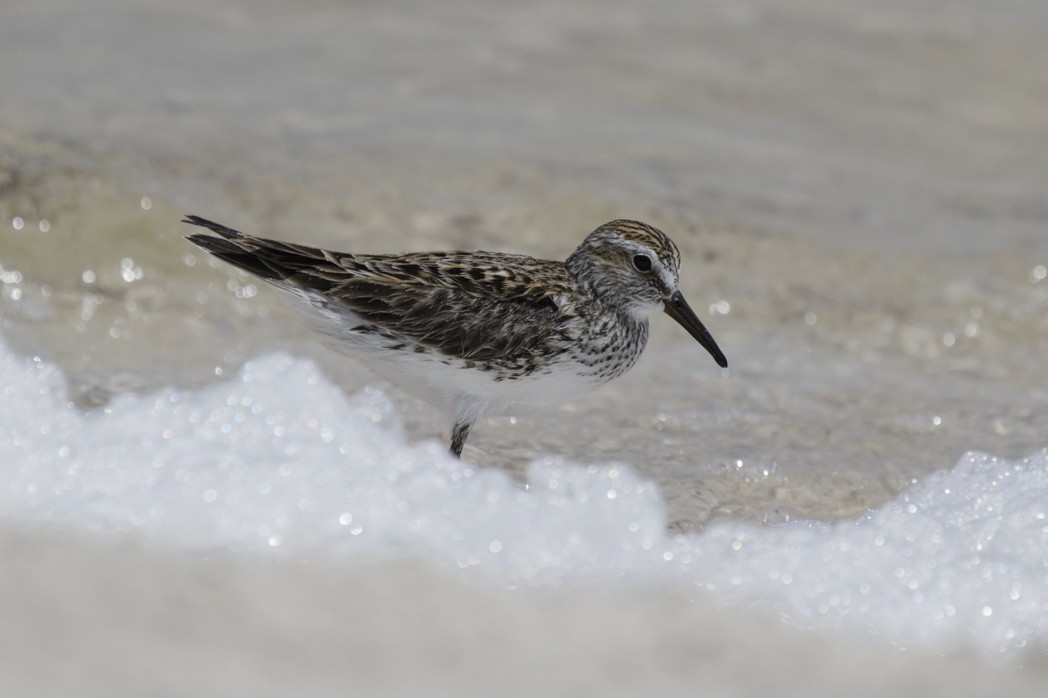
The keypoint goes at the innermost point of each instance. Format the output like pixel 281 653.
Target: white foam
pixel 278 459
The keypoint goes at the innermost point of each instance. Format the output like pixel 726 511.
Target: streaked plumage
pixel 481 332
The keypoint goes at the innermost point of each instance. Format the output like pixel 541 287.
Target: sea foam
pixel 278 461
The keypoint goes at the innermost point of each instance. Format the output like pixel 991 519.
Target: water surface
pixel 857 189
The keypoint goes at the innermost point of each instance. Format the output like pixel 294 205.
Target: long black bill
pixel 678 309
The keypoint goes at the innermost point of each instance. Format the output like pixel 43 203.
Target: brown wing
pixel 473 306
pixel 456 323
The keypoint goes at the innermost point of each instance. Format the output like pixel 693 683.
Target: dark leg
pixel 458 437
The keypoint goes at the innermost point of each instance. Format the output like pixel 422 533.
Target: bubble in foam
pixel 278 461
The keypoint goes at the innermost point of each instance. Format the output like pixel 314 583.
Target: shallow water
pixel 856 188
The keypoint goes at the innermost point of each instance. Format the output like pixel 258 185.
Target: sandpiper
pixel 481 332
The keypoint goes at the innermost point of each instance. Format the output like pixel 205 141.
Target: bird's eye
pixel 642 262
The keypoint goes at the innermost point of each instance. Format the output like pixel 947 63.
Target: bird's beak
pixel 678 309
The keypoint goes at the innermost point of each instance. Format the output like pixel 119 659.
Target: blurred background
pixel 858 189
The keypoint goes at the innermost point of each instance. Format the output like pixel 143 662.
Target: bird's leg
pixel 459 435
pixel 467 409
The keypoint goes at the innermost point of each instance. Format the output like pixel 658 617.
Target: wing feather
pixel 475 306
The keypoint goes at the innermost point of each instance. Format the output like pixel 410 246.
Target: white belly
pixel 444 381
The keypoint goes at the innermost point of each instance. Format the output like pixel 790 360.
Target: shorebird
pixel 481 332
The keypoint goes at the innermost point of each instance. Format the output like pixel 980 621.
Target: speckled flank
pixel 481 330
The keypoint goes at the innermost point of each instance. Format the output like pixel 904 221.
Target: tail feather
pixel 248 260
pixel 280 263
pixel 216 228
